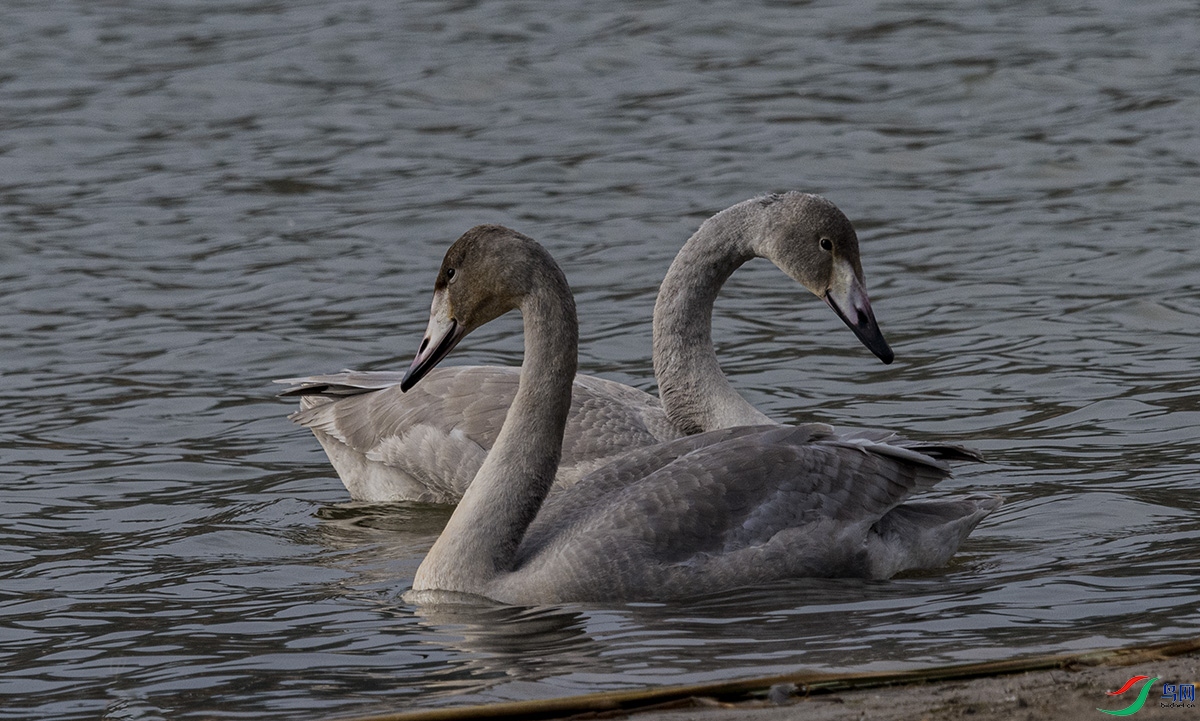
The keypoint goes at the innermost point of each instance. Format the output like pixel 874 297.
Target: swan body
pixel 702 513
pixel 427 445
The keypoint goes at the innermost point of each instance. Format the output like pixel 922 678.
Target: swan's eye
pixel 826 244
pixel 450 275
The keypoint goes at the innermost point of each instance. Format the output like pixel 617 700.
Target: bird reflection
pixel 501 643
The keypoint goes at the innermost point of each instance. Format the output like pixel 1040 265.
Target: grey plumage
pixel 738 507
pixel 426 445
pixel 722 509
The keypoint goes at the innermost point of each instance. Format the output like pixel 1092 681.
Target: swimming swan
pixel 717 510
pixel 428 444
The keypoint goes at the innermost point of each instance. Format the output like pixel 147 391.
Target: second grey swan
pixel 723 509
pixel 428 444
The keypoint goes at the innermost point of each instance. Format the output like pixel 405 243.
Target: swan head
pixel 812 241
pixel 488 272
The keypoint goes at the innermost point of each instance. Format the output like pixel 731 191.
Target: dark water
pixel 198 198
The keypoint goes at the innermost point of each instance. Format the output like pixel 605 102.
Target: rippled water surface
pixel 196 198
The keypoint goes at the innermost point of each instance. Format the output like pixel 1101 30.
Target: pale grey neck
pixel 694 391
pixel 481 539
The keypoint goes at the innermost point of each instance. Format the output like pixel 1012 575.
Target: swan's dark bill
pixel 854 308
pixel 431 354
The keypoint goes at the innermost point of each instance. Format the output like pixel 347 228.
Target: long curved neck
pixel 695 393
pixel 480 540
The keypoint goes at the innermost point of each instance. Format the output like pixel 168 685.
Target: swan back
pixel 739 507
pixel 428 443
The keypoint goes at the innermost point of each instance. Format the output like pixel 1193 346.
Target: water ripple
pixel 197 201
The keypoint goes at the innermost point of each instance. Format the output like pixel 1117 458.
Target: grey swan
pixel 740 506
pixel 427 445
